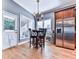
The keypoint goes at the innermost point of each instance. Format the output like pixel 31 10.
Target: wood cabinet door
pixel 69 13
pixel 5 41
pixel 66 13
pixel 59 15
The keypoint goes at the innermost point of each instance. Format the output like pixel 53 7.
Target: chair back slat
pixel 33 33
pixel 40 33
pixel 44 30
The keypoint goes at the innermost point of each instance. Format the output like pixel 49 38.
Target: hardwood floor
pixel 48 52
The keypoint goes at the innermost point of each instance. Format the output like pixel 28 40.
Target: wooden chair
pixel 33 37
pixel 43 29
pixel 41 37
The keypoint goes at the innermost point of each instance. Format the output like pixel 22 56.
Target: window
pixel 9 24
pixel 25 24
pixel 47 24
pixel 39 24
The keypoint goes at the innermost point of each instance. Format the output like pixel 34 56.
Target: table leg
pixel 36 42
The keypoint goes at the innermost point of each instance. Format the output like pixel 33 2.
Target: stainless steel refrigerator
pixel 65 33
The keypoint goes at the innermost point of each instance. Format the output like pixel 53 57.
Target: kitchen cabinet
pixel 5 41
pixel 9 39
pixel 66 13
pixel 9 35
pixel 59 15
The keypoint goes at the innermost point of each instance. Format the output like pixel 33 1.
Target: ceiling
pixel 44 5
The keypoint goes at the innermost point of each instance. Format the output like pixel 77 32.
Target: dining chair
pixel 33 37
pixel 41 36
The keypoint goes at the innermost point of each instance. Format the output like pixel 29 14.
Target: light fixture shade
pixel 39 16
pixel 37 1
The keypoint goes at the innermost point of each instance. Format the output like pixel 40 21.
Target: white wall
pixel 12 7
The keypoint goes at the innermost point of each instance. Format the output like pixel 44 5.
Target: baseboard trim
pixel 16 45
pixel 23 42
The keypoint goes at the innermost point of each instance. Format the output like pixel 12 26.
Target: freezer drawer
pixel 69 38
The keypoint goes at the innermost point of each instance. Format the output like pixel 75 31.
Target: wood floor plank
pixel 50 51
